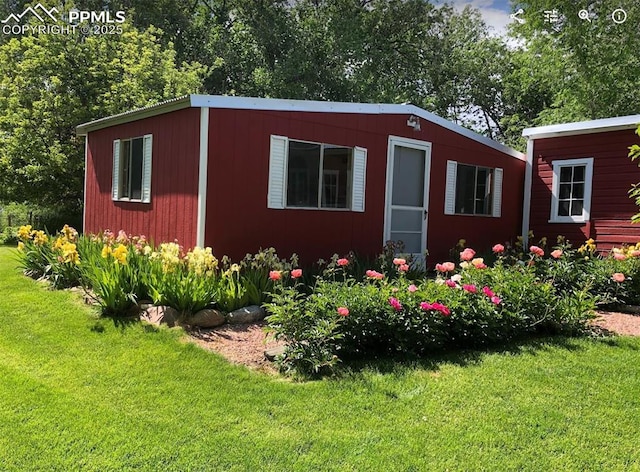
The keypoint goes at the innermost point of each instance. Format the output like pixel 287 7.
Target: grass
pixel 81 393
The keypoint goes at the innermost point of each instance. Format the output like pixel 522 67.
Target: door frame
pixel 413 144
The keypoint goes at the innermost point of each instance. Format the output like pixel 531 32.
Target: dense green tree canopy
pixel 417 51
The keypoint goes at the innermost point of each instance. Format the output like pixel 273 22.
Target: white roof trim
pixel 583 127
pixel 134 115
pixel 278 104
pixel 271 104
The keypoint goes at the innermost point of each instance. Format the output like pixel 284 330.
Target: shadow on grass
pixel 404 365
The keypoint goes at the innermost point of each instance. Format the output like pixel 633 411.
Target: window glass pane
pixel 412 241
pixel 563 208
pixel 406 220
pixel 465 189
pixel 125 168
pixel 336 177
pixel 578 191
pixel 483 191
pixel 578 173
pixel 408 177
pixel 565 174
pixel 136 168
pixel 303 174
pixel 565 190
pixel 576 207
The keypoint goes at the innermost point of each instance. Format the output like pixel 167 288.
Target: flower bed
pixel 349 310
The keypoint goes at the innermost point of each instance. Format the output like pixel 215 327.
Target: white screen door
pixel 407 194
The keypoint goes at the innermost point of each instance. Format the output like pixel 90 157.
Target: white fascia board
pixel 134 115
pixel 271 104
pixel 583 127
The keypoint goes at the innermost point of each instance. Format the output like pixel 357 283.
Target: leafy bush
pixel 186 283
pixel 475 307
pixel 56 259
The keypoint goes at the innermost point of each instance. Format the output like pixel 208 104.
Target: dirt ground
pixel 245 344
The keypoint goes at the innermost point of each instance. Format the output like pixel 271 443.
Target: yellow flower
pixel 20 246
pixel 147 250
pixel 40 238
pixel 59 242
pixel 235 268
pixel 70 254
pixel 106 250
pixel 201 261
pixel 588 246
pixel 69 233
pixel 24 232
pixel 120 254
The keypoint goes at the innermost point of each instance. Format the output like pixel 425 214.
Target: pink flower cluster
pixel 426 306
pixel 343 311
pixel 491 296
pixel 467 254
pixel 372 274
pixel 445 267
pixel 395 303
pixel 536 251
pixel 401 264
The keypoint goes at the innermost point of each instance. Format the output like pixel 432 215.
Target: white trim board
pixel 272 104
pixel 202 176
pixel 583 127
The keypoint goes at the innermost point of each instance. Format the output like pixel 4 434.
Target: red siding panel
pixel 174 181
pixel 613 175
pixel 238 220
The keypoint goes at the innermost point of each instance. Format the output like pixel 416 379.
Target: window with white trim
pixel 312 175
pixel 132 169
pixel 571 190
pixel 473 190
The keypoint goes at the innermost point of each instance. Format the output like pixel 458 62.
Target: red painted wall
pixel 613 176
pixel 174 179
pixel 238 220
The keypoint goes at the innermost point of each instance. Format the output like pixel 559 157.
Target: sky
pixel 495 12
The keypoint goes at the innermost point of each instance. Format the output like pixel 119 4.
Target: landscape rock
pixel 274 352
pixel 248 314
pixel 159 315
pixel 207 318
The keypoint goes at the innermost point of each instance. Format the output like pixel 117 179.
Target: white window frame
pixel 450 190
pixel 147 147
pixel 555 190
pixel 278 176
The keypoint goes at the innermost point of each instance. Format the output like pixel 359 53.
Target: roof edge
pixel 618 123
pixel 277 104
pixel 160 108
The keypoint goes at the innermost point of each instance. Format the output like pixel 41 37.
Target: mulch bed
pixel 245 344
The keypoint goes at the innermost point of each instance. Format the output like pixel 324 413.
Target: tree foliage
pixel 51 83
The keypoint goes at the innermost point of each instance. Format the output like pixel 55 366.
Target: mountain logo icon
pixel 40 12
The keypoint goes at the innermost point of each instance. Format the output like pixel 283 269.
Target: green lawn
pixel 79 393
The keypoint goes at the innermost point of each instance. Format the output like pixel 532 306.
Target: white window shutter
pixel 450 188
pixel 115 181
pixel 359 179
pixel 277 171
pixel 497 193
pixel 146 168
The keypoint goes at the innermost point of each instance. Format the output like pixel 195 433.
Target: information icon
pixel 619 16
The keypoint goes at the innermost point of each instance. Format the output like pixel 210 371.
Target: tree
pixel 51 83
pixel 590 66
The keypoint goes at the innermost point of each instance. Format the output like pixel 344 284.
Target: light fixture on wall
pixel 414 122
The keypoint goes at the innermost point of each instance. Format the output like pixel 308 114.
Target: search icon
pixel 584 15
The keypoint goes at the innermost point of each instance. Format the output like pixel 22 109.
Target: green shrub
pixel 186 283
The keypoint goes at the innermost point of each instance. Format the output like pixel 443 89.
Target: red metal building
pixel 314 178
pixel 577 182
